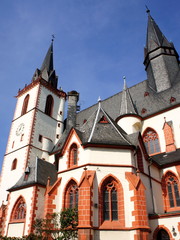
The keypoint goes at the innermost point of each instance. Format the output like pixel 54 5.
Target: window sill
pixel 111 225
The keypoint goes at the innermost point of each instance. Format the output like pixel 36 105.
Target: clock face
pixel 20 129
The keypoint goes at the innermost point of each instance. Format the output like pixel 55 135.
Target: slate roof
pixel 38 173
pixel 100 129
pixel 145 99
pixel 164 159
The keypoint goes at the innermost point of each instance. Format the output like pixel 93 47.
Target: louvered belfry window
pixel 49 105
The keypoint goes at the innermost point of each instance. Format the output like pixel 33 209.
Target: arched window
pixel 49 105
pixel 19 210
pixel 162 235
pixel 111 202
pixel 73 155
pixel 151 141
pixel 14 164
pixel 71 195
pixel 170 186
pixel 25 105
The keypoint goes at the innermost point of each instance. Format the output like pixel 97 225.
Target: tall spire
pixel 48 60
pixel 127 106
pixel 47 71
pixel 155 38
pixel 161 59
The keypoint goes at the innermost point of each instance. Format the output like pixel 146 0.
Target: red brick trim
pixel 50 195
pixel 169 138
pixel 85 203
pixel 39 81
pixel 139 199
pixel 34 207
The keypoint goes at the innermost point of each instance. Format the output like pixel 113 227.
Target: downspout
pixel 150 182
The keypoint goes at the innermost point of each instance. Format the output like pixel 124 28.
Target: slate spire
pixel 155 38
pixel 47 71
pixel 127 106
pixel 161 59
pixel 48 60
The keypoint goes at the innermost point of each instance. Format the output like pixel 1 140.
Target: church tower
pixel 161 59
pixel 37 124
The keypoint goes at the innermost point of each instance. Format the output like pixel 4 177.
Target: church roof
pixel 164 159
pixel 37 173
pixel 142 96
pixel 99 129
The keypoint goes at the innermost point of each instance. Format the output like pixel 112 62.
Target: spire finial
pixel 147 9
pixel 53 37
pixel 125 86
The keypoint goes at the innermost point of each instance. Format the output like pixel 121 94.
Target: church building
pixel 117 161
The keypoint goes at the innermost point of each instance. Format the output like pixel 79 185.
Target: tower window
pixel 40 138
pixel 49 105
pixel 25 105
pixel 14 164
pixel 151 141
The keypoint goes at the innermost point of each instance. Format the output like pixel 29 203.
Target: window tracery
pixel 19 211
pixel 151 141
pixel 171 188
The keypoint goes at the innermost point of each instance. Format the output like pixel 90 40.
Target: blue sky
pixel 97 42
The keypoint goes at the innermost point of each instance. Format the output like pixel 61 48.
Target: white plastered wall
pixel 157 123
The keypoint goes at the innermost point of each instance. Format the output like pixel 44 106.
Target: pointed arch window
pixel 19 210
pixel 151 141
pixel 73 155
pixel 14 164
pixel 171 191
pixel 25 105
pixel 71 195
pixel 111 203
pixel 49 105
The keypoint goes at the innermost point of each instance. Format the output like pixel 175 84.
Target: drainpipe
pixel 150 182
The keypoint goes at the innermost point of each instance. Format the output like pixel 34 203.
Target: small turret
pixel 128 120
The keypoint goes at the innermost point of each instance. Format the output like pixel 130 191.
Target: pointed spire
pixel 47 68
pixel 155 38
pixel 48 60
pixel 127 106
